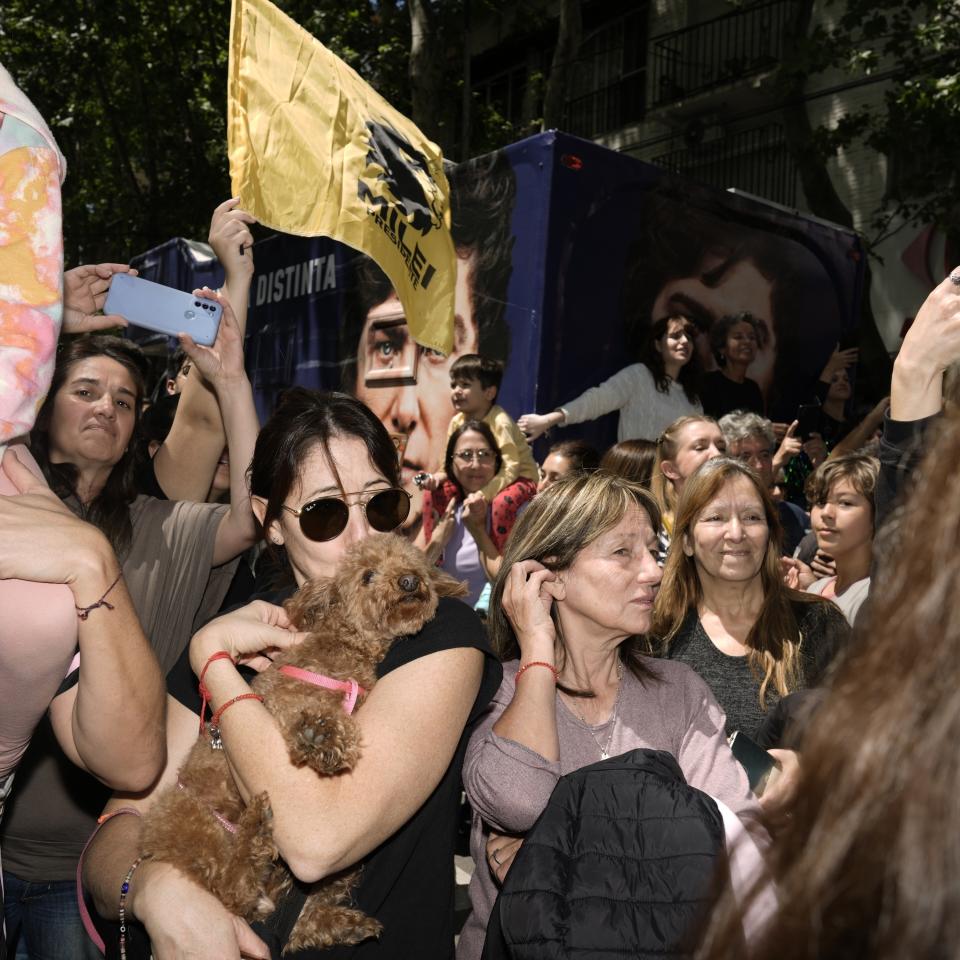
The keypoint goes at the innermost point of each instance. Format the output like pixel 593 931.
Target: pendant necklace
pixel 605 748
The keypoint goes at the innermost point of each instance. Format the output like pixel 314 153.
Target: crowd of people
pixel 698 692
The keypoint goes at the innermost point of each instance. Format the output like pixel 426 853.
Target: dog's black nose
pixel 408 582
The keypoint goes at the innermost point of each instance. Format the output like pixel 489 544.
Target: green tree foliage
pixel 915 48
pixel 135 93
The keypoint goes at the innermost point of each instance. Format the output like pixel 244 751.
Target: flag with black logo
pixel 316 151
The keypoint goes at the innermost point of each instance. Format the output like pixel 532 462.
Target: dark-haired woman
pixel 649 395
pixel 175 558
pixel 457 531
pixel 324 476
pixel 736 340
pixel 568 616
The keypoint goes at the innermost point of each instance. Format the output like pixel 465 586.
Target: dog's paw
pixel 323 744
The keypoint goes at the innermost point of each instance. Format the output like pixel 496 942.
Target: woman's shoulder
pixel 454 625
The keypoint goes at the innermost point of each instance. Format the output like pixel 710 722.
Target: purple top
pixel 508 784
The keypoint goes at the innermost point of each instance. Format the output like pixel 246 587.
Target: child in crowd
pixel 474 384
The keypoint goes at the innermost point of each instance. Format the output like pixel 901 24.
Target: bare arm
pixel 932 343
pixel 864 430
pixel 112 722
pixel 409 740
pixel 187 460
pixel 475 518
pixel 222 366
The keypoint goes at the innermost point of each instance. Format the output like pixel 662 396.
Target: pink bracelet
pixel 538 663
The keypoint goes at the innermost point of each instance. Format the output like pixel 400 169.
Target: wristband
pixel 538 663
pixel 216 743
pixel 204 692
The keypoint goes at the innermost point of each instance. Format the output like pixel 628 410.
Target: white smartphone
pixel 160 308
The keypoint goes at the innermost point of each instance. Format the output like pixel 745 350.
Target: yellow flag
pixel 316 151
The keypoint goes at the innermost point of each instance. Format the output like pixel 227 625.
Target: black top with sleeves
pixel 824 631
pixel 407 883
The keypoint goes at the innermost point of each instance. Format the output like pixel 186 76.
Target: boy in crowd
pixel 474 384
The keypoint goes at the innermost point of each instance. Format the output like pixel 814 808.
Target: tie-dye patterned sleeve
pixel 31 273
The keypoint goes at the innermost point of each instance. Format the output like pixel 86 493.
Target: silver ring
pixel 495 858
pixel 955 278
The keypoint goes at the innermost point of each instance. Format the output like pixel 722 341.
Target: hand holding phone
pixel 761 768
pixel 163 309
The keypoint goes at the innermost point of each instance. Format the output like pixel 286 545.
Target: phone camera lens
pixel 189 314
pixel 196 303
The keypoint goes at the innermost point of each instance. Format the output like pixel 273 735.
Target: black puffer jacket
pixel 621 863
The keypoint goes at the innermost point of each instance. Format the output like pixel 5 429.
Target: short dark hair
pixel 477 426
pixel 109 510
pixel 304 418
pixel 471 366
pixel 632 460
pixel 580 454
pixel 721 329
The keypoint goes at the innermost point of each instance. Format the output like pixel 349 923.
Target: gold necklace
pixel 604 748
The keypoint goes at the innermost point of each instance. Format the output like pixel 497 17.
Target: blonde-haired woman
pixel 681 448
pixel 569 614
pixel 723 608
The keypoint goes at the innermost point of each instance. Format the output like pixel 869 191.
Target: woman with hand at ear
pixel 568 615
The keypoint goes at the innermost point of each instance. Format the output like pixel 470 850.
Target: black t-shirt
pixel 407 883
pixel 720 395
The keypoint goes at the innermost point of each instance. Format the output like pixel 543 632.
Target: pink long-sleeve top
pixel 508 784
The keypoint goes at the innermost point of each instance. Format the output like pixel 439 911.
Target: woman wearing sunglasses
pixel 324 475
pixel 458 532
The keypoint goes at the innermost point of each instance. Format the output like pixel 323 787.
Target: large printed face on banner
pixel 406 385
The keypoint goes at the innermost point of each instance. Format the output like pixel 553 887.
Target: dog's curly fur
pixel 384 589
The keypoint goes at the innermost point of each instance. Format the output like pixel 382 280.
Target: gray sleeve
pixel 707 762
pixel 507 783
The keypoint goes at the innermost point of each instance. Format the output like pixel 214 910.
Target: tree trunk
pixel 568 43
pixel 874 368
pixel 426 72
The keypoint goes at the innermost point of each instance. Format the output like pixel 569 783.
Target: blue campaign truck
pixel 567 252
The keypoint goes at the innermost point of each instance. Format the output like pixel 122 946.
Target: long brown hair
pixel 774 640
pixel 566 517
pixel 866 866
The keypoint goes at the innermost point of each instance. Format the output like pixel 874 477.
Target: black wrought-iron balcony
pixel 724 50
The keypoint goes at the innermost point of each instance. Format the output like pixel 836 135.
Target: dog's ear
pixel 311 602
pixel 447 586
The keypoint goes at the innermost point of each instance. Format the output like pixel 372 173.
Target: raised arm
pixel 187 460
pixel 222 366
pixel 111 722
pixel 932 343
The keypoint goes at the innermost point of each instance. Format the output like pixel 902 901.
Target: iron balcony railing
pixel 723 50
pixel 756 160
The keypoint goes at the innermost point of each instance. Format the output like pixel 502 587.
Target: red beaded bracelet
pixel 205 697
pixel 538 663
pixel 215 741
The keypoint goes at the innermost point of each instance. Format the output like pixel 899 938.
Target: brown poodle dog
pixel 384 589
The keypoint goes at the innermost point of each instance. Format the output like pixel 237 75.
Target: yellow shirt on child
pixel 514 450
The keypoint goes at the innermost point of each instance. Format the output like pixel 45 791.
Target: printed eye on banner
pixel 402 196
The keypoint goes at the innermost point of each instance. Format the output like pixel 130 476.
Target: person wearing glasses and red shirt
pixel 457 531
pixel 324 476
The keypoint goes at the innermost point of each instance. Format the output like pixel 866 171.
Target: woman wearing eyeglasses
pixel 324 475
pixel 458 532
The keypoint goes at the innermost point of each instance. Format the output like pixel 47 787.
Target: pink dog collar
pixel 351 689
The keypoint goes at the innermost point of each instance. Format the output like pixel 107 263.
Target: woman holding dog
pixel 324 476
pixel 569 611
